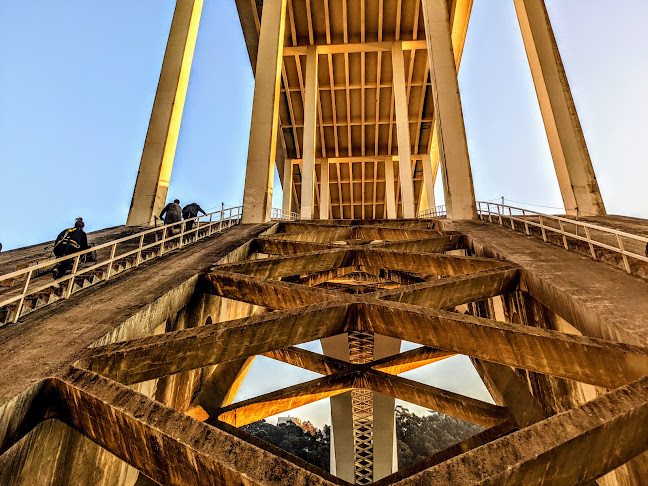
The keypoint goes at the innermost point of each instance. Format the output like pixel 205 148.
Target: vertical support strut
pixel 310 128
pixel 324 190
pixel 451 132
pixel 576 177
pixel 287 185
pixel 390 195
pixel 262 150
pixel 154 174
pixel 403 131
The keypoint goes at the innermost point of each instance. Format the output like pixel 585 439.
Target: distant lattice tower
pixel 357 105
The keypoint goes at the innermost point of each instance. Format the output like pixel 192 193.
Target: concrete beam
pixel 571 158
pixel 149 195
pixel 170 447
pixel 273 403
pixel 573 447
pixel 267 293
pixel 156 356
pixel 459 406
pixel 220 388
pixel 390 193
pixel 318 363
pixel 554 353
pixel 410 360
pixel 450 292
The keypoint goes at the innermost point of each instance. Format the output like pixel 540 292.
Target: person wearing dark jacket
pixel 68 242
pixel 190 211
pixel 172 213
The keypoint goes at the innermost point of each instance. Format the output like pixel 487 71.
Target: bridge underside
pixel 133 381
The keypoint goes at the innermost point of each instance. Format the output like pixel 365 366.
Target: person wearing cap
pixel 68 242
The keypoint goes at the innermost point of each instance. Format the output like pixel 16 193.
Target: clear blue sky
pixel 78 79
pixel 78 82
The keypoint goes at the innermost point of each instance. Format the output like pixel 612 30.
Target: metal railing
pixel 437 212
pixel 190 230
pixel 283 215
pixel 625 244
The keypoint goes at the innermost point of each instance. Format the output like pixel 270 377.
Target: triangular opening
pixel 267 375
pixel 456 374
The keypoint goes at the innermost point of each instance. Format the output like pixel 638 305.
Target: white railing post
pixel 589 242
pixel 22 298
pixel 139 251
pixel 625 258
pixel 72 276
pixel 111 261
pixel 562 231
pixel 542 227
pixel 526 225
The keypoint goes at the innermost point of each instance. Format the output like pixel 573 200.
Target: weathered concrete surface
pixel 152 357
pixel 272 294
pixel 554 353
pixel 46 341
pixel 449 292
pixel 573 447
pixel 254 409
pixel 171 448
pixel 585 293
pixel 443 401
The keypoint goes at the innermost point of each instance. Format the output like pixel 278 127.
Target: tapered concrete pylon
pixel 451 132
pixel 259 176
pixel 571 158
pixel 149 196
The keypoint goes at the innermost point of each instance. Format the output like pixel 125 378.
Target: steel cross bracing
pixel 170 447
pixel 361 345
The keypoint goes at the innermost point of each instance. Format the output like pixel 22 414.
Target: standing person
pixel 190 211
pixel 68 242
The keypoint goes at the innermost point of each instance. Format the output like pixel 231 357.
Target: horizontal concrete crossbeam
pixel 578 358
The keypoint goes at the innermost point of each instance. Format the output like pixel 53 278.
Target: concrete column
pixel 453 148
pixel 390 196
pixel 402 131
pixel 571 158
pixel 149 196
pixel 429 178
pixel 310 129
pixel 342 455
pixel 324 190
pixel 259 175
pixel 287 185
pixel 384 423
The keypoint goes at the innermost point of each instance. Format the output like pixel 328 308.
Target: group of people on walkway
pixel 172 213
pixel 74 240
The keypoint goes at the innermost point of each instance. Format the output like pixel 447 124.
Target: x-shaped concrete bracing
pixel 570 448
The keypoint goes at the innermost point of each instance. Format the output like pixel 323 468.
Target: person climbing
pixel 68 242
pixel 172 213
pixel 189 212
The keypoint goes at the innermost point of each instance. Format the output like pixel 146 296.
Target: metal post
pixel 526 225
pixel 110 264
pixel 511 218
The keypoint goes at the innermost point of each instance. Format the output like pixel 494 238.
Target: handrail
pixel 200 227
pixel 513 214
pixel 283 215
pixel 437 212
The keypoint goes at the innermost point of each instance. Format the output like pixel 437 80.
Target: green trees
pixel 420 437
pixel 314 448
